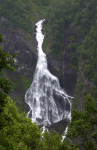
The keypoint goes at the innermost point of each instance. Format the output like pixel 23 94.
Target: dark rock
pixel 58 126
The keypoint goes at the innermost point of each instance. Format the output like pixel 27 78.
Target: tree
pixel 16 131
pixel 65 145
pixel 83 126
pixel 5 84
pixel 51 140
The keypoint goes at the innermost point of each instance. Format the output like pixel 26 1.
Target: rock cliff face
pixel 68 78
pixel 62 67
pixel 25 62
pixel 17 40
pixel 86 86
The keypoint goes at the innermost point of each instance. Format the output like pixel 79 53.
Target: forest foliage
pixel 79 19
pixel 19 13
pixel 5 84
pixel 83 126
pixel 22 13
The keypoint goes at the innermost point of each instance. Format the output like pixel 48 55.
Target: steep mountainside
pixel 18 28
pixel 71 37
pixel 17 40
pixel 70 44
pixel 70 30
pixel 17 24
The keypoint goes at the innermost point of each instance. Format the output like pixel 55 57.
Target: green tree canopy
pixel 83 126
pixel 16 131
pixel 5 84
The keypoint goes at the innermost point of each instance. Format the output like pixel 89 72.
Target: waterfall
pixel 63 67
pixel 66 44
pixel 47 101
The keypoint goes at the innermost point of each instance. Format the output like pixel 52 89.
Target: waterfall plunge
pixel 48 102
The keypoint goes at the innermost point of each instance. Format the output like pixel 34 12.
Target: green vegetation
pixel 72 24
pixel 19 133
pixel 16 131
pixel 18 12
pixel 83 126
pixel 20 85
pixel 42 2
pixel 78 19
pixel 22 13
pixel 5 84
pixel 51 141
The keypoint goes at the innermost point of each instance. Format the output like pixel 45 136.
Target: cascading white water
pixel 48 102
pixel 66 44
pixel 63 67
